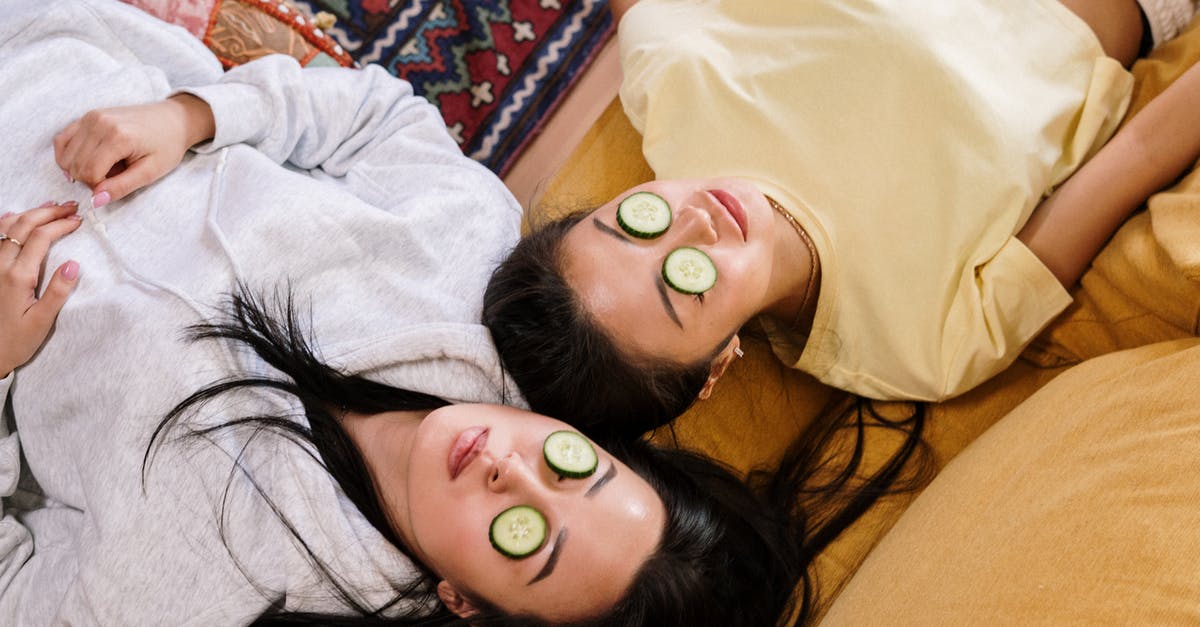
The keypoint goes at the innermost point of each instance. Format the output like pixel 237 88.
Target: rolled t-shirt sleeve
pixel 998 310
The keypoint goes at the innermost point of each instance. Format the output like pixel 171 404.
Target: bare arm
pixel 1159 143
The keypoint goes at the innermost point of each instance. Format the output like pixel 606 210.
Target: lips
pixel 733 207
pixel 466 448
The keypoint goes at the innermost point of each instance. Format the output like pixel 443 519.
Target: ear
pixel 719 365
pixel 455 601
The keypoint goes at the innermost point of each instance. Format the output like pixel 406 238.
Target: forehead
pixel 503 414
pixel 608 539
pixel 619 283
pixel 615 280
pixel 669 189
pixel 676 190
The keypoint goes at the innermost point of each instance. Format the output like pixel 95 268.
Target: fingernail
pixel 70 270
pixel 101 199
pixel 6 214
pixel 48 203
pixel 71 203
pixel 68 175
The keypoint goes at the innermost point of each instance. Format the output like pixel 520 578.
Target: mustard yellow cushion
pixel 1080 507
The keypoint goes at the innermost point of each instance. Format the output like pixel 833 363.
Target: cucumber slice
pixel 644 214
pixel 689 270
pixel 518 531
pixel 569 454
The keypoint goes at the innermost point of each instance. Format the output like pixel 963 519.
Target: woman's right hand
pixel 26 318
pixel 121 150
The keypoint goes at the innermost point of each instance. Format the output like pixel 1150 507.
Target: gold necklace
pixel 814 261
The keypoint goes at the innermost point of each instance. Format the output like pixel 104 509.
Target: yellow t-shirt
pixel 911 140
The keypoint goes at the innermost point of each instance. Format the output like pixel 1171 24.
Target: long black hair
pixel 728 555
pixel 851 457
pixel 561 360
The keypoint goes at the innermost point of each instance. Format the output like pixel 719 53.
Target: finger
pixel 71 146
pixel 41 314
pixel 89 133
pixel 26 222
pixel 87 149
pixel 137 175
pixel 61 141
pixel 9 218
pixel 93 166
pixel 34 250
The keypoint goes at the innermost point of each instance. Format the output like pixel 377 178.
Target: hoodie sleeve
pixel 22 570
pixel 328 118
pixel 16 544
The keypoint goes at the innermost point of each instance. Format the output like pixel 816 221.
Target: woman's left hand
pixel 26 319
pixel 120 150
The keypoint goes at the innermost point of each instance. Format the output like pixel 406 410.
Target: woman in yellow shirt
pixel 902 207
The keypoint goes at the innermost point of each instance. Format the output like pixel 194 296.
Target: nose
pixel 694 225
pixel 513 472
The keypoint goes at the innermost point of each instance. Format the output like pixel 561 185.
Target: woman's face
pixel 471 462
pixel 619 277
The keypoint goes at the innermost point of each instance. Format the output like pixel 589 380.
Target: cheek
pixel 741 271
pixel 454 541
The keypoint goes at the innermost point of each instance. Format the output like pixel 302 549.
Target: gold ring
pixel 5 236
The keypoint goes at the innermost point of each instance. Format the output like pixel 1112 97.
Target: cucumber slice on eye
pixel 689 270
pixel 644 214
pixel 518 531
pixel 569 454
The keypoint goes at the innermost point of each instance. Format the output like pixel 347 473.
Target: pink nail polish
pixel 101 199
pixel 68 175
pixel 6 214
pixel 70 270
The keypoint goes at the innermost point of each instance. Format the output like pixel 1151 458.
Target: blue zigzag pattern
pixel 565 50
pixel 456 77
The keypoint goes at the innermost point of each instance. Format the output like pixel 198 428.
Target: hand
pixel 25 319
pixel 121 150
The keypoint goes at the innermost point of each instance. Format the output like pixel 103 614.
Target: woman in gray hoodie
pixel 316 456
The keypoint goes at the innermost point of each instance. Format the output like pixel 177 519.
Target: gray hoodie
pixel 384 230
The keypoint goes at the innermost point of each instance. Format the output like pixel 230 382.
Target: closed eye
pixel 700 298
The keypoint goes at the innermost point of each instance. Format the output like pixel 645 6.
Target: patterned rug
pixel 495 68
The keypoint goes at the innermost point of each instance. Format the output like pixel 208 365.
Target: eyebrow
pixel 666 299
pixel 658 281
pixel 605 478
pixel 555 551
pixel 608 230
